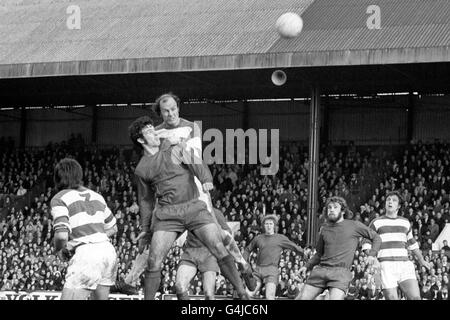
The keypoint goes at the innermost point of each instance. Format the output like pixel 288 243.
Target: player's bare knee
pixel 226 238
pixel 270 295
pixel 390 296
pixel 180 287
pixel 209 295
pixel 219 250
pixel 153 263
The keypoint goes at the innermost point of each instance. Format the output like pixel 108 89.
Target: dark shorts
pixel 201 258
pixel 330 277
pixel 266 274
pixel 178 218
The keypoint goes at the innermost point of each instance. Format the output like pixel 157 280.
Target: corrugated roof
pixel 341 25
pixel 112 29
pixel 180 35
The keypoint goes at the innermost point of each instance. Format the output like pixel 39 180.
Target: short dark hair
pixel 163 98
pixel 135 129
pixel 397 194
pixel 68 174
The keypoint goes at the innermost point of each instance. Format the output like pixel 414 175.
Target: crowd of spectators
pixel 28 262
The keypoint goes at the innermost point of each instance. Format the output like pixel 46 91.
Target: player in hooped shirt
pixel 83 224
pixel 396 239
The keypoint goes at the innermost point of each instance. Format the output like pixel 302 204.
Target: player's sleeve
pixel 410 241
pixel 201 171
pixel 371 235
pixel 60 215
pixel 146 199
pixel 249 249
pixel 110 220
pixel 222 221
pixel 319 252
pixel 288 244
pixel 366 243
pixel 196 165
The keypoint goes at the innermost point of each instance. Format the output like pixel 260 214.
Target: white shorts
pixel 395 272
pixel 93 264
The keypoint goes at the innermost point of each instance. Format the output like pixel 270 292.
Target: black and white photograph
pixel 252 152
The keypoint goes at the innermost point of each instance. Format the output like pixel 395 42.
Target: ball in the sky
pixel 289 25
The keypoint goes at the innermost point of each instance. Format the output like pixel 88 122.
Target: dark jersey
pixel 169 182
pixel 338 242
pixel 270 248
pixel 193 242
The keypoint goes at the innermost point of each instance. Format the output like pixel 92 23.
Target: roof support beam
pixel 411 110
pixel 23 127
pixel 313 179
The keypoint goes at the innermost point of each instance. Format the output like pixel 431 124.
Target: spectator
pixel 241 194
pixel 446 248
pixel 425 293
pixel 21 191
pixel 434 230
pixel 443 294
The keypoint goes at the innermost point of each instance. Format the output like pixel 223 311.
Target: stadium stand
pixel 28 263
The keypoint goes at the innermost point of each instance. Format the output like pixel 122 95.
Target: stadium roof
pixel 157 37
pixel 119 36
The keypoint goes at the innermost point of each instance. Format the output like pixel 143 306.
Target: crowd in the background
pixel 28 262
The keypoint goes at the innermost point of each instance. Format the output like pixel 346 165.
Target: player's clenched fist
pixel 208 186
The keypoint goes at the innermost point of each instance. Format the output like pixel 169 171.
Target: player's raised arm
pixel 288 244
pixel 249 249
pixel 196 165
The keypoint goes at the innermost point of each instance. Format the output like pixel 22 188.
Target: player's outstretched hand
pixel 143 240
pixel 208 186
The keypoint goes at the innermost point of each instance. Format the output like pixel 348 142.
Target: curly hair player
pixel 335 249
pixel 169 204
